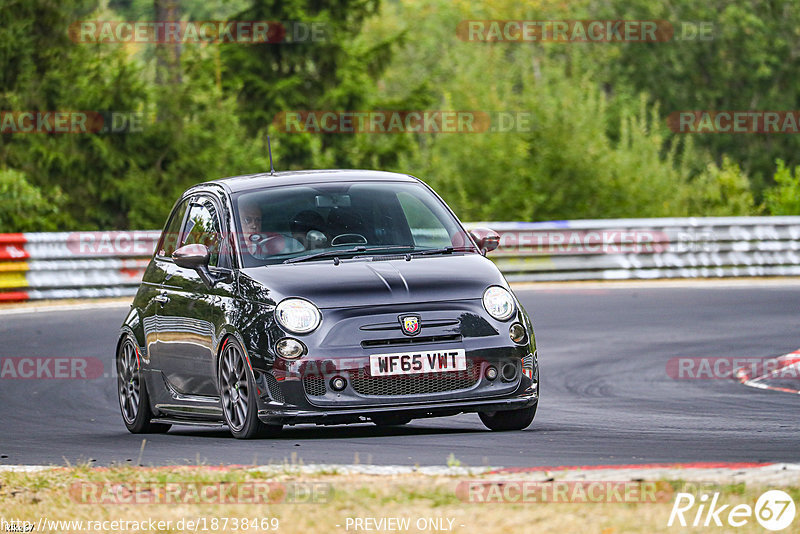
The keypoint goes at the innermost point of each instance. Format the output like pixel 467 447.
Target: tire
pixel 134 402
pixel 238 395
pixel 390 420
pixel 509 419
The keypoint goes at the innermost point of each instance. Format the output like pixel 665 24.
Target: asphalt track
pixel 606 395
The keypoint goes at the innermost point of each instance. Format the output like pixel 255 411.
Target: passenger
pixel 307 227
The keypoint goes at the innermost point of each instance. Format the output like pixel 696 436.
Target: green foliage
pixel 23 207
pixel 191 9
pixel 191 132
pixel 784 197
pixel 721 191
pixel 198 137
pixel 334 72
pixel 597 146
pixel 581 158
pixel 748 63
pixel 44 71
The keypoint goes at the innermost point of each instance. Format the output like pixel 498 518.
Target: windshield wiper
pixel 443 250
pixel 354 250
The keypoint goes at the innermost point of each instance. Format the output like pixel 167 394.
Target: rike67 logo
pixel 774 510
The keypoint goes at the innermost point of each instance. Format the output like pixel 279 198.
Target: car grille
pixel 450 338
pixel 274 388
pixel 314 385
pixel 415 384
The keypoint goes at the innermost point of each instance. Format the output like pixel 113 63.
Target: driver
pixel 261 244
pixel 250 214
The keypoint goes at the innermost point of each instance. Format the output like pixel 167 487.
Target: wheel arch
pixel 133 326
pixel 226 333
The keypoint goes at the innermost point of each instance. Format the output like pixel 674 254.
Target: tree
pixel 329 69
pixel 749 63
pixel 23 208
pixel 784 197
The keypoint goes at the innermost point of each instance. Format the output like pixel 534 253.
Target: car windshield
pixel 285 224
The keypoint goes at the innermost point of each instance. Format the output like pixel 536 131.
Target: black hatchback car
pixel 324 297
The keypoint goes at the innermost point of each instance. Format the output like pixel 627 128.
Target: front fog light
pixel 338 383
pixel 491 372
pixel 289 348
pixel 517 333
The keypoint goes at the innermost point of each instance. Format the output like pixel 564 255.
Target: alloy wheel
pixel 128 381
pixel 235 388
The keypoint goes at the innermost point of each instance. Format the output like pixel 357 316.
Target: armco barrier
pixel 620 249
pixel 102 264
pixel 73 264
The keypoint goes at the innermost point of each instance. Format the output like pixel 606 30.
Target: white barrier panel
pixel 620 249
pixel 101 264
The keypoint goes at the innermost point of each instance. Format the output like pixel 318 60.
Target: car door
pixel 192 313
pixel 153 280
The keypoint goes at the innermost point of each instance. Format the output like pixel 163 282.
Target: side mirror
pixel 487 240
pixel 194 257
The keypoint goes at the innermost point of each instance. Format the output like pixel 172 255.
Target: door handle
pixel 161 299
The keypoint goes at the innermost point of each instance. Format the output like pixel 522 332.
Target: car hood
pixel 362 282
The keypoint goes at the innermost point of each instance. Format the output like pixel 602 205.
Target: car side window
pixel 170 237
pixel 203 227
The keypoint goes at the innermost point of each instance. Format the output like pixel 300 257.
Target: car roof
pixel 236 184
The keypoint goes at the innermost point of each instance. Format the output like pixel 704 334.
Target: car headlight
pixel 298 316
pixel 499 303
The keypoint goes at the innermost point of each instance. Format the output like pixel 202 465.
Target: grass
pixel 323 502
pixel 452 461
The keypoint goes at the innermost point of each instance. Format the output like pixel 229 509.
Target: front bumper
pixel 271 413
pixel 300 391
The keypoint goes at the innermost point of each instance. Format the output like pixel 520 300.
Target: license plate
pixel 407 363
